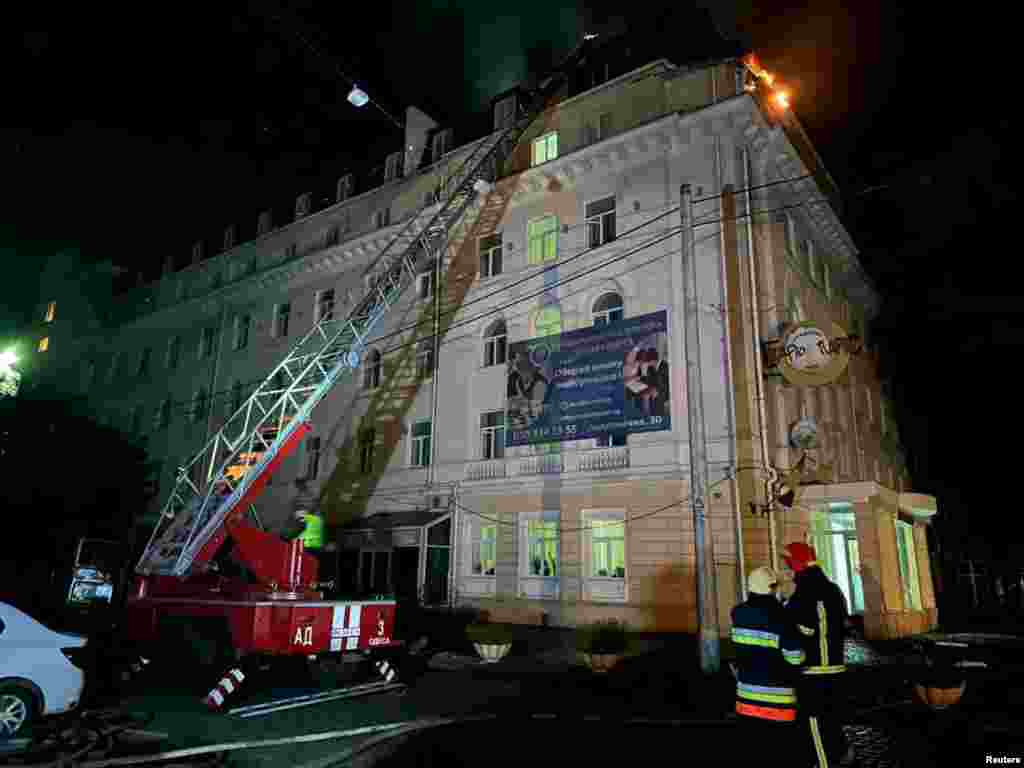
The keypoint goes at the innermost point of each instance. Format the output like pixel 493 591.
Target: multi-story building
pixel 413 464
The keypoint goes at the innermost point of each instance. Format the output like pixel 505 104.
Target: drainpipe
pixel 758 372
pixel 741 591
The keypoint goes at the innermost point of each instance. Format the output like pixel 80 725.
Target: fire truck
pixel 277 607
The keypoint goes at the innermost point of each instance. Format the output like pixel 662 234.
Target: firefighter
pixel 768 657
pixel 818 609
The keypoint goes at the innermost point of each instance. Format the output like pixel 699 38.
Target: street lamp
pixel 10 378
pixel 357 97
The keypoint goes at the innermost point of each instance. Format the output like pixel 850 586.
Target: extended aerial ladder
pixel 210 496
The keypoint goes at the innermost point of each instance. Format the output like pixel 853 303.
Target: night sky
pixel 132 131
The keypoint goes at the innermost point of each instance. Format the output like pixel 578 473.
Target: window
pixel 366 443
pixel 548 322
pixel 610 440
pixel 51 312
pixel 199 404
pixel 44 344
pixel 163 414
pixel 483 549
pixel 908 566
pixel 492 435
pixel 134 419
pixel 144 358
pixel 393 166
pixel 495 344
pixel 324 309
pixel 607 309
pixel 242 331
pixel 312 458
pixel 425 283
pixel 545 148
pixel 421 443
pixel 542 548
pixel 490 255
pixel 236 397
pixel 371 370
pixel 282 312
pixel 345 186
pixel 115 363
pixel 441 144
pixel 382 218
pixel 543 238
pixel 607 545
pixel 600 217
pixel 173 352
pixel 505 113
pixel 206 343
pixel 425 358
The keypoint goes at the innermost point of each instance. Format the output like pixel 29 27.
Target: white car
pixel 38 672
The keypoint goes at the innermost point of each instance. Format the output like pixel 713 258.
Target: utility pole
pixel 707 591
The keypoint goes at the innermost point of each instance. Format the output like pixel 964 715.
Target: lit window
pixel 492 435
pixel 281 314
pixel 44 343
pixel 545 148
pixel 600 216
pixel 366 442
pixel 421 443
pixel 495 344
pixel 425 359
pixel 542 548
pixel 371 371
pixel 242 331
pixel 484 549
pixel 607 309
pixel 543 240
pixel 908 566
pixel 51 311
pixel 607 545
pixel 324 305
pixel 490 256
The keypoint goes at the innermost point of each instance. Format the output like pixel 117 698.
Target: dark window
pixel 607 309
pixel 495 344
pixel 490 256
pixel 366 441
pixel 371 373
pixel 600 217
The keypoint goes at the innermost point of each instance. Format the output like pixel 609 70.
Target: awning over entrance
pixel 388 529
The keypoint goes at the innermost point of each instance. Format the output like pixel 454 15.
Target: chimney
pixel 229 237
pixel 264 223
pixel 169 264
pixel 197 251
pixel 303 205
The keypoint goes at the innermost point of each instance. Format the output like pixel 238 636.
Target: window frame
pixel 541 239
pixel 495 340
pixel 490 438
pixel 538 587
pixel 487 255
pixel 279 327
pixel 475 548
pixel 544 140
pixel 606 314
pixel 910 579
pixel 601 220
pixel 420 445
pixel 604 589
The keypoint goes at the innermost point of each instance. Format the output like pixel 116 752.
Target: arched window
pixel 607 309
pixel 371 371
pixel 495 343
pixel 547 322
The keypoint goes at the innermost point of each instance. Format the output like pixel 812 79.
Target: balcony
pixel 603 459
pixel 485 470
pixel 548 464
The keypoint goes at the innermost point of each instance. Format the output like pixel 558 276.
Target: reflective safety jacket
pixel 818 608
pixel 768 655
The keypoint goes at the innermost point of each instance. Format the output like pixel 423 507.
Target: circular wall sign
pixel 811 357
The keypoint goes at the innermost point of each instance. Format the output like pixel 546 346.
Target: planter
pixel 939 698
pixel 492 652
pixel 601 662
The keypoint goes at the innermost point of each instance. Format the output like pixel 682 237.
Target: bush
pixel 489 634
pixel 602 637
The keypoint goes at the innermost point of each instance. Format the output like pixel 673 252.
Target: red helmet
pixel 799 556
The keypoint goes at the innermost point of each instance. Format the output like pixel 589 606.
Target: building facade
pixel 409 462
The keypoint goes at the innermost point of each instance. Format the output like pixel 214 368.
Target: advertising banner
pixel 612 378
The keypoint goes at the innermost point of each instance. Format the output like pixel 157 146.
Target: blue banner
pixel 612 378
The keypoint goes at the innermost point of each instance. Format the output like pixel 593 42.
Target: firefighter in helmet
pixel 818 608
pixel 768 657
